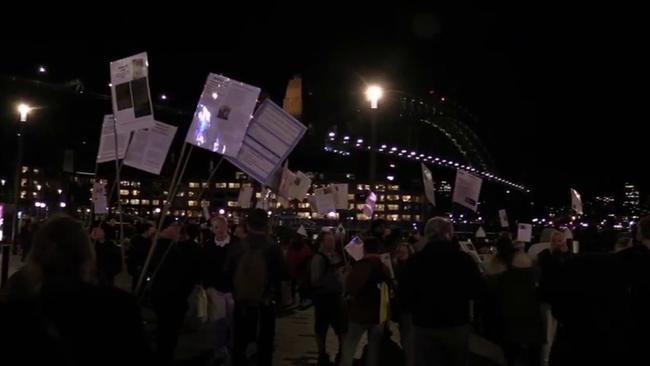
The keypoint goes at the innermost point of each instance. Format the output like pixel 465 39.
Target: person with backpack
pixel 257 287
pixel 327 292
pixel 363 286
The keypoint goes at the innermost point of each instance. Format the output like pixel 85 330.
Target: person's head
pixel 240 231
pixel 402 252
pixel 371 245
pixel 379 229
pixel 505 250
pixel 558 243
pixel 98 234
pixel 219 227
pixel 62 251
pixel 622 243
pixel 325 241
pixel 257 222
pixel 545 237
pixel 643 231
pixel 438 229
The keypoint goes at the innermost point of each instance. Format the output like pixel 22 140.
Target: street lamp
pixel 373 94
pixel 24 110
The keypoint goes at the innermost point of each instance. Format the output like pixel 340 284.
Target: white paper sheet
pixel 245 195
pixel 301 231
pixel 427 181
pixel 106 150
pixel 222 115
pixel 467 190
pixel 503 218
pixel 355 248
pixel 99 199
pixel 272 134
pixel 340 195
pixel 149 148
pixel 525 233
pixel 130 93
pixel 325 202
pixel 300 186
pixel 288 179
pixel 576 202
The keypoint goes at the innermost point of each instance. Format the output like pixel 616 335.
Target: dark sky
pixel 552 87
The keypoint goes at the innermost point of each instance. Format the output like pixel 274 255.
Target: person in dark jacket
pixel 109 255
pixel 518 319
pixel 327 293
pixel 254 317
pixel 52 314
pixel 441 281
pixel 401 313
pixel 139 250
pixel 362 287
pixel 174 274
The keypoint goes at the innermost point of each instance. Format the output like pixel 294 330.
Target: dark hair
pixel 371 245
pixel 643 228
pixel 257 219
pixel 505 250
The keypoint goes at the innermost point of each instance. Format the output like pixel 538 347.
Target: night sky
pixel 552 88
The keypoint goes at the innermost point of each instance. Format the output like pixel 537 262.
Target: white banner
pixel 576 202
pixel 341 195
pixel 525 233
pixel 245 195
pixel 467 190
pixel 148 150
pixel 503 218
pixel 222 115
pixel 130 93
pixel 427 181
pixel 106 150
pixel 272 134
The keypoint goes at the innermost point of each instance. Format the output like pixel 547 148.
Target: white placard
pixel 245 195
pixel 148 150
pixel 480 233
pixel 130 93
pixel 525 233
pixel 576 202
pixel 300 186
pixel 106 150
pixel 427 181
pixel 301 231
pixel 272 134
pixel 467 190
pixel 325 202
pixel 340 195
pixel 355 248
pixel 503 218
pixel 222 115
pixel 369 206
pixel 286 181
pixel 99 199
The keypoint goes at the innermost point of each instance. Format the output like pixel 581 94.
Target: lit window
pixel 204 184
pixel 221 185
pixel 155 202
pixel 393 207
pixel 350 197
pixel 258 195
pixel 417 217
pixel 359 187
pixel 25 169
pixel 233 204
pixel 362 217
pixel 194 185
pixel 303 205
pixel 304 215
pixel 351 206
pixel 234 185
pixel 146 202
pixel 416 199
pixel 33 194
pixel 393 217
pixel 190 194
pixel 240 176
pixel 35 171
pixel 406 198
pixel 125 183
pixel 379 208
pixel 192 203
pixel 381 198
pixel 23 182
pixel 135 201
pixel 380 187
pixel 124 192
pixel 136 192
pixel 135 184
pixel 180 194
pixel 393 187
pixel 124 201
pixel 392 197
pixel 406 217
pixel 23 195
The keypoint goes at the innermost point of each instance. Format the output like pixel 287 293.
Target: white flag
pixel 148 150
pixel 480 233
pixel 245 195
pixel 467 190
pixel 301 231
pixel 355 248
pixel 106 150
pixel 503 218
pixel 576 202
pixel 427 180
pixel 222 115
pixel 130 93
pixel 369 206
pixel 525 233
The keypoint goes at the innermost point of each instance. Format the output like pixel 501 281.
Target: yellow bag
pixel 384 303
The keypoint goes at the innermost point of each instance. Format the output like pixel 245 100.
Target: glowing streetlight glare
pixel 42 69
pixel 24 110
pixel 373 94
pixel 222 211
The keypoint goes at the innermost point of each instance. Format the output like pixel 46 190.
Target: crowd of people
pixel 541 304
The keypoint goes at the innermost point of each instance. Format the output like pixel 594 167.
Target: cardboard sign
pixel 325 202
pixel 467 190
pixel 427 181
pixel 149 148
pixel 130 93
pixel 355 248
pixel 222 115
